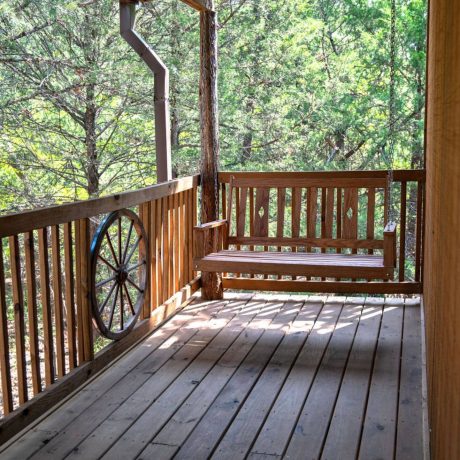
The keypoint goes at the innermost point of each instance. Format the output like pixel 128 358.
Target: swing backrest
pixel 326 212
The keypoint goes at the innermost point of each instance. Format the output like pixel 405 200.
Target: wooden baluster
pixel 194 221
pixel 251 219
pixel 402 230
pixel 176 242
pixel 46 305
pixel 57 290
pixel 261 212
pixel 32 311
pixel 5 368
pixel 295 217
pixel 188 237
pixel 160 250
pixel 350 213
pixel 312 213
pixel 370 226
pixel 281 207
pixel 190 224
pixel 69 295
pixel 145 218
pixel 171 246
pixel 19 329
pixel 419 231
pixel 329 218
pixel 241 212
pixel 182 224
pixel 84 324
pixel 224 200
pixel 237 213
pixel 166 261
pixel 153 257
pixel 339 217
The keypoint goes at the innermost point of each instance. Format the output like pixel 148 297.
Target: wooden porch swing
pixel 343 197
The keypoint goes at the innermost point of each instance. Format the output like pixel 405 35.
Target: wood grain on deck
pixel 253 376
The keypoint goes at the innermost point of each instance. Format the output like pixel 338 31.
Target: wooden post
pixel 211 282
pixel 442 254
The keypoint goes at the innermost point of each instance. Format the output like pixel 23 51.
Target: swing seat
pixel 216 249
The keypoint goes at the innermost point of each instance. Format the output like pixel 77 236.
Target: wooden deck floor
pixel 257 377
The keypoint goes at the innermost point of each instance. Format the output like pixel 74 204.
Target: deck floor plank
pixel 254 376
pixel 410 413
pixel 344 433
pixel 308 434
pixel 380 422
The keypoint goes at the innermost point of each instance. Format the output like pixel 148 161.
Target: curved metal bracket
pixel 161 74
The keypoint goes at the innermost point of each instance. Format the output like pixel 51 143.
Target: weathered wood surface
pixel 441 273
pixel 252 376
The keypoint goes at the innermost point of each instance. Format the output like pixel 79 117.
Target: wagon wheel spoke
pixel 112 309
pixel 106 281
pixel 134 285
pixel 101 308
pixel 107 262
pixel 133 267
pixel 112 250
pixel 130 302
pixel 133 249
pixel 127 241
pixel 122 304
pixel 120 254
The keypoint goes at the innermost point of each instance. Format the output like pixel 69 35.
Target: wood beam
pixel 212 283
pixel 199 5
pixel 442 254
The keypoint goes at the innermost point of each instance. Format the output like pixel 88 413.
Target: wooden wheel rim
pixel 120 277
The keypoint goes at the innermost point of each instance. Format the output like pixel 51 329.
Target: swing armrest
pixel 389 245
pixel 210 237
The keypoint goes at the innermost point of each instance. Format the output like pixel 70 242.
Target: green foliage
pixel 303 85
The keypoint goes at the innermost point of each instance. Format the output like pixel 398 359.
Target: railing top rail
pixel 398 175
pixel 22 222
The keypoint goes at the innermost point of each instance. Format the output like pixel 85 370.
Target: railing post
pixel 212 288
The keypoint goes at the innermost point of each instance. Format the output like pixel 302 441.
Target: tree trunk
pixel 92 173
pixel 211 282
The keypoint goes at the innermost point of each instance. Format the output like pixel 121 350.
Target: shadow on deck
pixel 253 376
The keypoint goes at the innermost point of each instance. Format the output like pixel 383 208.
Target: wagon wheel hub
pixel 122 275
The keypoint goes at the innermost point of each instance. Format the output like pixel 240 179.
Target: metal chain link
pixel 392 110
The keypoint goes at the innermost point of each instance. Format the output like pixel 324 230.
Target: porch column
pixel 442 249
pixel 211 282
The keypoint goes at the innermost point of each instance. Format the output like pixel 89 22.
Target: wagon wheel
pixel 118 273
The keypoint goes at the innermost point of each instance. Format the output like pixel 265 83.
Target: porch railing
pixel 48 345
